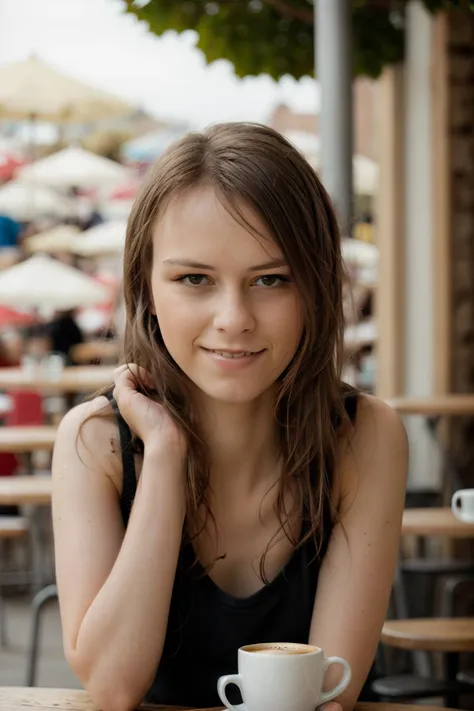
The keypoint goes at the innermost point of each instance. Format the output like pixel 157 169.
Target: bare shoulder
pixel 375 448
pixel 377 425
pixel 89 434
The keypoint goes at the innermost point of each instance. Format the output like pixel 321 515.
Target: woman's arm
pixel 114 587
pixel 358 569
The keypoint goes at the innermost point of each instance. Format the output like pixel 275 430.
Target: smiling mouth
pixel 234 354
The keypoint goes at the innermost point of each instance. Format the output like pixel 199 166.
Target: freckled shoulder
pixel 89 432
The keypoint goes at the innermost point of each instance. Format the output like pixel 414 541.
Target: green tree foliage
pixel 275 37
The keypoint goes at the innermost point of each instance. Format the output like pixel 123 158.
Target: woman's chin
pixel 230 394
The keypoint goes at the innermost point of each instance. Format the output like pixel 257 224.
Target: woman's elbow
pixel 113 697
pixel 111 692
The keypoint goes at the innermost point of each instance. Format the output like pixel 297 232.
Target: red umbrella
pixel 13 317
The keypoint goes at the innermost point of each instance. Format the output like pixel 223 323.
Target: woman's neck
pixel 243 440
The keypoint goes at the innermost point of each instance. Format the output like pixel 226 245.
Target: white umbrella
pixel 33 89
pixel 43 282
pixel 107 238
pixel 366 175
pixel 359 254
pixel 58 239
pixel 365 172
pixel 75 167
pixel 116 209
pixel 25 202
pixel 306 142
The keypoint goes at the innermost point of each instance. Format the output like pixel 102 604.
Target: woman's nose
pixel 233 313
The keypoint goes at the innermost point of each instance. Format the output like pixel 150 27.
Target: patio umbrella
pixel 359 254
pixel 58 239
pixel 34 89
pixel 147 148
pixel 366 175
pixel 75 167
pixel 10 317
pixel 43 282
pixel 107 238
pixel 365 171
pixel 25 201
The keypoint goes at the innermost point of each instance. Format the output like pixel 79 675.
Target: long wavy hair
pixel 253 165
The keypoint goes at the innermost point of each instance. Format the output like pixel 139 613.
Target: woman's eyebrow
pixel 274 264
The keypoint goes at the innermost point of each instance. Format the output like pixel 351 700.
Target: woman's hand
pixel 331 706
pixel 147 419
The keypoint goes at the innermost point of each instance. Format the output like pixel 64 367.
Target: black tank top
pixel 206 626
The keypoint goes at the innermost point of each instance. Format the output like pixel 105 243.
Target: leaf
pixel 270 37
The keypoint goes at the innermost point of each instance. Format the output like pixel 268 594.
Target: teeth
pixel 233 355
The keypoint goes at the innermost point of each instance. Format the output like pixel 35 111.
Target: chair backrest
pixel 27 409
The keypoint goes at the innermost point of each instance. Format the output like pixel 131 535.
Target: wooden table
pixel 87 379
pixel 24 490
pixel 433 409
pixel 451 636
pixel 434 406
pixel 435 522
pixel 21 440
pixel 431 635
pixel 95 350
pixel 18 699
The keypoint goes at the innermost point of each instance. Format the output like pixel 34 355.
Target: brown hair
pixel 254 165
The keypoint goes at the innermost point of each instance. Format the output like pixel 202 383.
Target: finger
pixel 119 370
pixel 127 376
pixel 331 706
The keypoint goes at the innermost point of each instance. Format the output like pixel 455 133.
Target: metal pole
pixel 333 56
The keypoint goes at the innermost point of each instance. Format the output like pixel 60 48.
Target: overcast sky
pixel 94 41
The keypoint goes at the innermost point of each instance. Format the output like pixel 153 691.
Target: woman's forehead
pixel 198 223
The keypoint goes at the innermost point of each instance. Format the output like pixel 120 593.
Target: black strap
pixel 350 404
pixel 129 483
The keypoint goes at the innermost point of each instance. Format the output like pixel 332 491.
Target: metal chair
pixel 40 600
pixel 11 527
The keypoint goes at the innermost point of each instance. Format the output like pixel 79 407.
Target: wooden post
pixel 390 227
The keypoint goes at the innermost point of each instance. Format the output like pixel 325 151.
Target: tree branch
pixel 291 12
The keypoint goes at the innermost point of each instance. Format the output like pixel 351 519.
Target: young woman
pixel 231 489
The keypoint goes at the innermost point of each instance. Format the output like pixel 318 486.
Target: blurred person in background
pixel 37 342
pixel 94 218
pixel 10 231
pixel 64 333
pixel 10 356
pixel 11 349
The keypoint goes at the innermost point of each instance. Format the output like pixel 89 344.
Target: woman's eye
pixel 271 280
pixel 194 279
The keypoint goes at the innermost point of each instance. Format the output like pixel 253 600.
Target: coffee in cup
pixel 281 676
pixel 462 505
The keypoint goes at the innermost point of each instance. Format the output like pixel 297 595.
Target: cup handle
pixel 343 684
pixel 221 686
pixel 455 501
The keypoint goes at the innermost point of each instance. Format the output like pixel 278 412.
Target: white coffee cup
pixel 282 677
pixel 462 505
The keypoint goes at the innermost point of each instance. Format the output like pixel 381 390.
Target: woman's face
pixel 229 312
